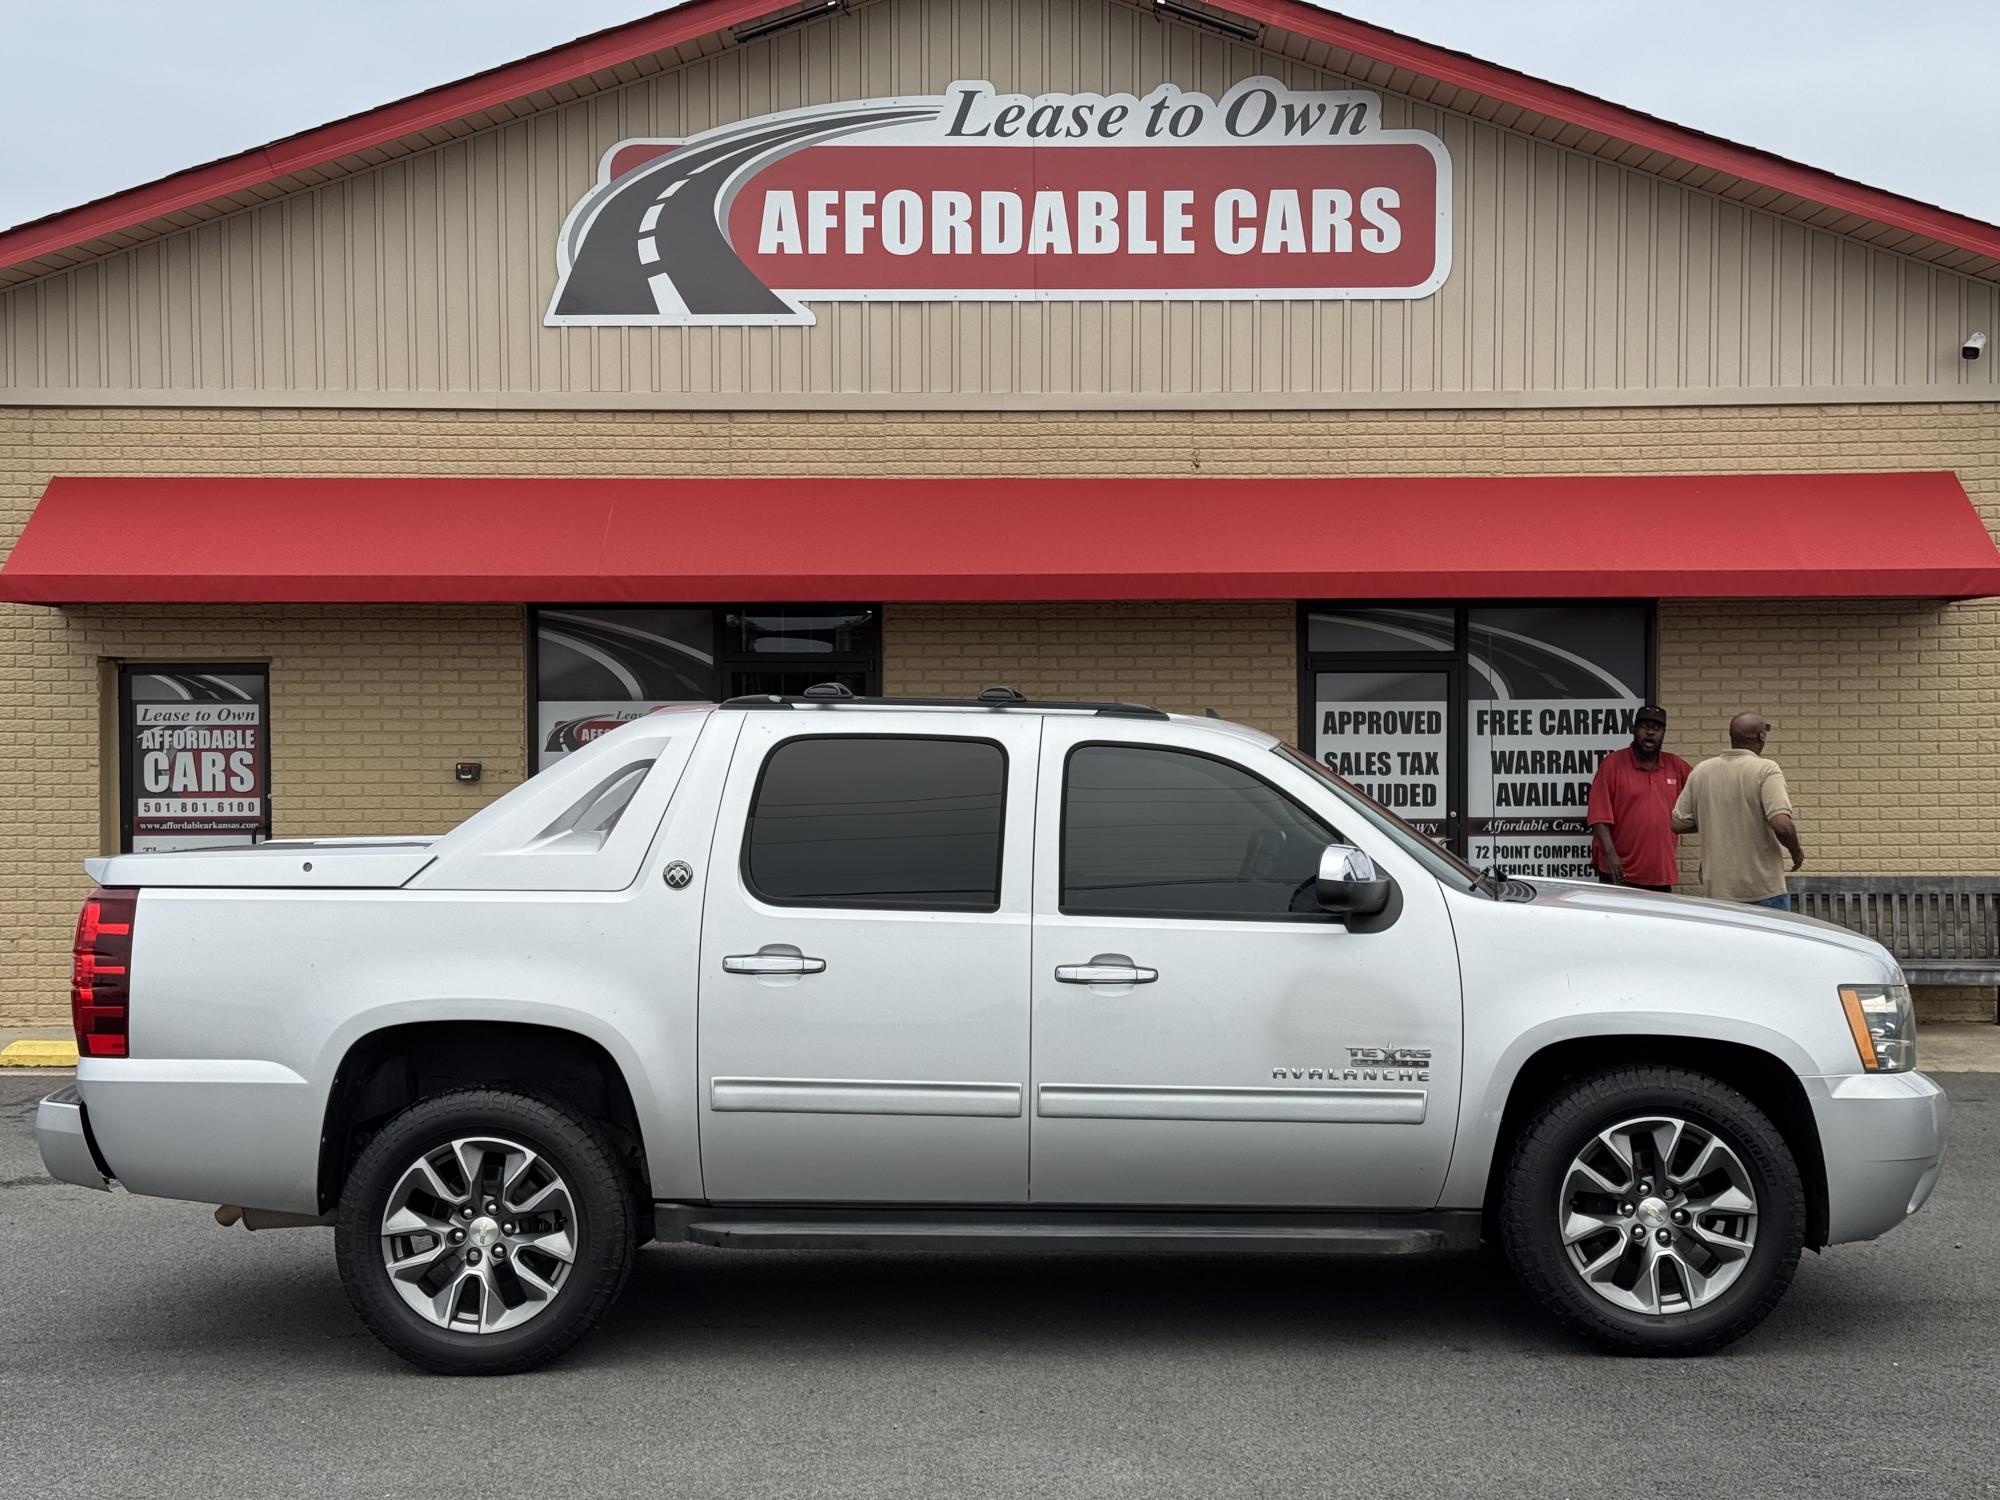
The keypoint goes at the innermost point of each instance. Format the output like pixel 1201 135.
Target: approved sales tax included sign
pixel 970 195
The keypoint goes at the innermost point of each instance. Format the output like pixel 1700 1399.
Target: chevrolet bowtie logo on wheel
pixel 970 195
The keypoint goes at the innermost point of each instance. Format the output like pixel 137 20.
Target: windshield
pixel 1439 861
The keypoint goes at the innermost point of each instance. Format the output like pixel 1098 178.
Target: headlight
pixel 1884 1027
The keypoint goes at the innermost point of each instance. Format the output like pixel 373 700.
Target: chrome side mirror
pixel 1348 884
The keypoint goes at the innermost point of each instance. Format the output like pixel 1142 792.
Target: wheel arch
pixel 393 1067
pixel 1763 1078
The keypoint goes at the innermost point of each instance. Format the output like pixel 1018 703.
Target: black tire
pixel 605 1231
pixel 1530 1230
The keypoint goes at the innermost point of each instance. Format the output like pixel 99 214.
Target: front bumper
pixel 62 1133
pixel 1883 1138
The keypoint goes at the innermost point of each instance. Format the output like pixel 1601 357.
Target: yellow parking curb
pixel 38 1055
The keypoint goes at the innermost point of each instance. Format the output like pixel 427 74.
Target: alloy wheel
pixel 479 1234
pixel 1658 1214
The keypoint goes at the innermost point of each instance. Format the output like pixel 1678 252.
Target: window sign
pixel 597 669
pixel 1386 732
pixel 195 763
pixel 1550 692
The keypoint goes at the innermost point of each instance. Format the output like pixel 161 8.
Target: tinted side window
pixel 1166 833
pixel 878 820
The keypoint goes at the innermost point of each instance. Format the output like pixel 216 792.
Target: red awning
pixel 324 541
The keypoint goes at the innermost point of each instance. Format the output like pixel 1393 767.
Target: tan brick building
pixel 449 289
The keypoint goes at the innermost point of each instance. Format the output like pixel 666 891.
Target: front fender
pixel 1589 963
pixel 1484 1107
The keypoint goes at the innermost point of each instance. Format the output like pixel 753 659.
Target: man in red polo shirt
pixel 1631 808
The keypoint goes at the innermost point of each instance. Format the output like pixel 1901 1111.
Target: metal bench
pixel 1943 929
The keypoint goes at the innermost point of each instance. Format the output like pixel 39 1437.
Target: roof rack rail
pixel 993 699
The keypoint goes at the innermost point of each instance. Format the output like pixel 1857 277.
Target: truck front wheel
pixel 483 1231
pixel 1653 1210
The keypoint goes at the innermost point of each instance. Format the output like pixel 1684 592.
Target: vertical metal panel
pixel 431 274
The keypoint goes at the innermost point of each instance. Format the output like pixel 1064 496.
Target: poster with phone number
pixel 198 760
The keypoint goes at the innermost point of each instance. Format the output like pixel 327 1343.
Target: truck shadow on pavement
pixel 699 1305
pixel 689 1300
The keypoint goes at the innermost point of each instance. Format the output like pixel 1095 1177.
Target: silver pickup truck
pixel 1001 974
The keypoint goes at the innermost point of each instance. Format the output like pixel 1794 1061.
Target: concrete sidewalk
pixel 1959 1047
pixel 1948 1047
pixel 37 1047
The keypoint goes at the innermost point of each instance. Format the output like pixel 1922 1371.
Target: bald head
pixel 1747 731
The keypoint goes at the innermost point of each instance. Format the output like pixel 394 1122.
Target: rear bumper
pixel 62 1134
pixel 1883 1137
pixel 211 1130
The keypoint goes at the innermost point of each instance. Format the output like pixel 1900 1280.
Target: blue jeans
pixel 1777 903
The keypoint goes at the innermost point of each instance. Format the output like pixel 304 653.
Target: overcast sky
pixel 106 94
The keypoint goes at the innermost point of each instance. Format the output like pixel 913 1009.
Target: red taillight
pixel 100 985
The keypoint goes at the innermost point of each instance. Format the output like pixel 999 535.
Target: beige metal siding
pixel 425 279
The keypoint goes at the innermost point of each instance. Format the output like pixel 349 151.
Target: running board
pixel 1044 1233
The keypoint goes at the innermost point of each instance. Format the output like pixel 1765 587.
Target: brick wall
pixel 1886 712
pixel 1884 717
pixel 1955 1002
pixel 365 731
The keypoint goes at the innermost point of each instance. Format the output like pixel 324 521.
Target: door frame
pixel 963 1145
pixel 1124 1090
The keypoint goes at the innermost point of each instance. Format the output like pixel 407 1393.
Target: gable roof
pixel 1370 54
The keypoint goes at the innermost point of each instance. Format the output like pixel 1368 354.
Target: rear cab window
pixel 884 821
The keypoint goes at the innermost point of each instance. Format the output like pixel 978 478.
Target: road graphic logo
pixel 1265 193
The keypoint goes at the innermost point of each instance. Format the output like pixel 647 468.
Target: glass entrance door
pixel 1482 725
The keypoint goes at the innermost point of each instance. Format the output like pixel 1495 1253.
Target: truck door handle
pixel 772 963
pixel 1106 968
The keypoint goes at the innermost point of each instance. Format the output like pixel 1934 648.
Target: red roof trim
pixel 375 127
pixel 699 18
pixel 1588 112
pixel 194 540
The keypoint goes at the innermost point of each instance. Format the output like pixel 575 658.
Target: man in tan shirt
pixel 1738 802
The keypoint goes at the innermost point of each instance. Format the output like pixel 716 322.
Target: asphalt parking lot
pixel 145 1351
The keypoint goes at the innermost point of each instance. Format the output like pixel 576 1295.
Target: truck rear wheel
pixel 1653 1210
pixel 484 1232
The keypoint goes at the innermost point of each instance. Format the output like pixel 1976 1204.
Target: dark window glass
pixel 799 630
pixel 746 680
pixel 637 655
pixel 598 668
pixel 1164 833
pixel 1560 651
pixel 879 820
pixel 1398 631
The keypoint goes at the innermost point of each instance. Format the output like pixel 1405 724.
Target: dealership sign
pixel 970 195
pixel 197 758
